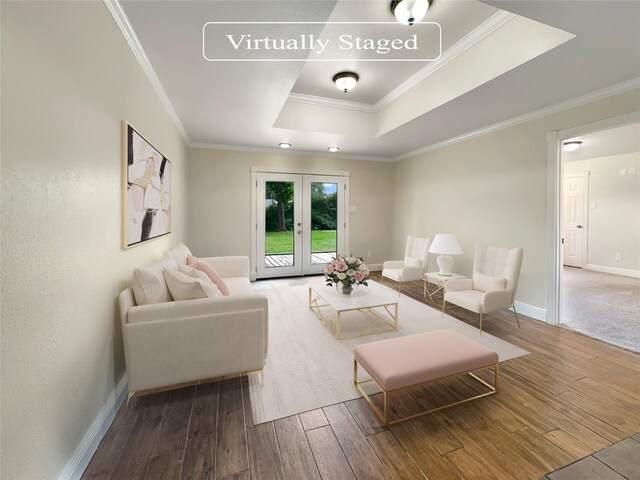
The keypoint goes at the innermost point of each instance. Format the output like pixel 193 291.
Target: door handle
pixel 578 226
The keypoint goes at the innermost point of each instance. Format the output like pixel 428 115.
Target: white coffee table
pixel 376 301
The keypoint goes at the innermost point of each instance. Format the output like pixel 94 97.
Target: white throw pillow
pixel 487 283
pixel 180 254
pixel 412 262
pixel 184 287
pixel 148 282
pixel 195 273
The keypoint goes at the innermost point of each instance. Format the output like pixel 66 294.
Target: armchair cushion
pixel 487 283
pixel 469 299
pixel 459 284
pixel 412 261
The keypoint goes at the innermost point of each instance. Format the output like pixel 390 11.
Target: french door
pixel 300 223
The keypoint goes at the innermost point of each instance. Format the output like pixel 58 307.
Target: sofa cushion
pixel 238 285
pixel 210 272
pixel 180 254
pixel 487 283
pixel 195 273
pixel 184 287
pixel 149 285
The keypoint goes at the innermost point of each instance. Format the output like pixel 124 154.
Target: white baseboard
pixel 80 459
pixel 374 267
pixel 612 270
pixel 531 311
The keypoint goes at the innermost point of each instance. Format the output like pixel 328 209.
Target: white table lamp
pixel 446 245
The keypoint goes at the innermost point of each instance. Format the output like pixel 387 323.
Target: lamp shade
pixel 445 244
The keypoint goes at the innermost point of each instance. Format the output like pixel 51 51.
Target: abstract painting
pixel 148 190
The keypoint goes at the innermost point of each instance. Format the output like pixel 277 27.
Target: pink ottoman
pixel 404 362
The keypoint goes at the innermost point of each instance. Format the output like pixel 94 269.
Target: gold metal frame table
pixel 376 301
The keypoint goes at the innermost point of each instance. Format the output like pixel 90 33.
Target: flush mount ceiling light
pixel 408 12
pixel 285 145
pixel 345 80
pixel 333 149
pixel 571 146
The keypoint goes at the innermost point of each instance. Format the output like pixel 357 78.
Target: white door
pixel 300 223
pixel 574 219
pixel 324 221
pixel 279 225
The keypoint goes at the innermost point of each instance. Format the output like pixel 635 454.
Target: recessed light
pixel 285 145
pixel 333 149
pixel 345 80
pixel 571 146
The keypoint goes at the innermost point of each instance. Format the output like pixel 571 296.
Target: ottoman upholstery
pixel 403 362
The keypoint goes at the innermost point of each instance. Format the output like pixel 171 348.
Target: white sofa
pixel 174 342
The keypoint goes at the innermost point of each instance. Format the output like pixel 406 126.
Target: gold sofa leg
pixel 480 323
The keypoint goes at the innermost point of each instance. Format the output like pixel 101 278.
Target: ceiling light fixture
pixel 285 145
pixel 333 149
pixel 345 80
pixel 408 12
pixel 571 146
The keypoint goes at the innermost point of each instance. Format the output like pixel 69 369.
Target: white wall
pixel 614 225
pixel 493 190
pixel 66 87
pixel 220 199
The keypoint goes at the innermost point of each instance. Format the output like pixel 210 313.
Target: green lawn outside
pixel 282 242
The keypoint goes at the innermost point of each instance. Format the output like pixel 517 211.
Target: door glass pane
pixel 324 219
pixel 279 228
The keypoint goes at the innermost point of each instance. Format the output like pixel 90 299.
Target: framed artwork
pixel 147 190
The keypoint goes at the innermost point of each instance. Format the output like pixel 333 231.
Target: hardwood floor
pixel 571 397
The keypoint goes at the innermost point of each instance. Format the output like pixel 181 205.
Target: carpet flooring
pixel 602 306
pixel 307 368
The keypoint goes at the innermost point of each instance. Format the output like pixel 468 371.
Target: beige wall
pixel 614 225
pixel 66 87
pixel 220 199
pixel 493 190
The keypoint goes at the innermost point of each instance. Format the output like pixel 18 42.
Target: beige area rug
pixel 307 368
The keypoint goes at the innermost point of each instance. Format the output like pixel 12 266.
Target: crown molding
pixel 116 11
pixel 281 151
pixel 594 96
pixel 483 30
pixel 330 102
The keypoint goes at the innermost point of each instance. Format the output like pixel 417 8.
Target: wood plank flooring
pixel 571 397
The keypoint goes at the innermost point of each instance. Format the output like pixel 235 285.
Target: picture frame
pixel 146 190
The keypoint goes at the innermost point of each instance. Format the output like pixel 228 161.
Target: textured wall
pixel 66 87
pixel 614 226
pixel 493 190
pixel 220 192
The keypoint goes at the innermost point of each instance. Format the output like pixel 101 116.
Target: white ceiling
pixel 379 78
pixel 606 143
pixel 237 104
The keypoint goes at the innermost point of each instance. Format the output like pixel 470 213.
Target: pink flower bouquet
pixel 346 271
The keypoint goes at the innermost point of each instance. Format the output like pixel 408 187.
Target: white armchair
pixel 414 265
pixel 494 283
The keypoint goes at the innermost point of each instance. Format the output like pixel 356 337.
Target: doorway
pixel 300 222
pixel 599 232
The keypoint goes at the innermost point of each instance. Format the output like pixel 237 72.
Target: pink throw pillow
pixel 211 273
